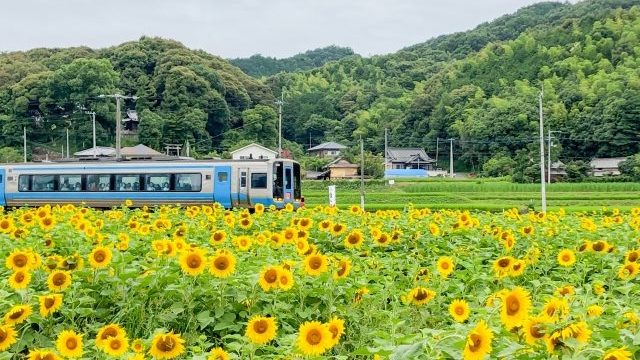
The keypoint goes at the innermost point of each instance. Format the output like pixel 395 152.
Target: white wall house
pixel 253 151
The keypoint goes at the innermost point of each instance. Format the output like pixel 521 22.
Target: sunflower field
pixel 321 283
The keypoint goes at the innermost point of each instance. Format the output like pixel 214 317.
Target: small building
pixel 328 149
pixel 253 151
pixel 130 123
pixel 98 151
pixel 140 152
pixel 342 169
pixel 558 171
pixel 606 166
pixel 408 158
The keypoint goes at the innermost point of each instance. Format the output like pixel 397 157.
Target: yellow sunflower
pixel 109 331
pixel 17 314
pixel 632 256
pixel 47 223
pixel 517 267
pixel 344 267
pixel 193 262
pixel 459 310
pixel 167 346
pixel 137 346
pixel 555 309
pixel 218 353
pixel 259 209
pixel 243 243
pixel 269 278
pixel 515 307
pixel 502 266
pixel 218 237
pixel 314 338
pixel 19 279
pixel 566 257
pixel 223 264
pixel 115 346
pixel 618 354
pixel 628 271
pixel 534 329
pixel 59 280
pixel 100 257
pixel 445 266
pixel 420 296
pixel 261 330
pixel 69 344
pixel 336 327
pixel 50 304
pixel 285 279
pixel 478 344
pixel 595 310
pixel 18 260
pixel 7 336
pixel 338 229
pixel 40 354
pixel 315 264
pixel 354 239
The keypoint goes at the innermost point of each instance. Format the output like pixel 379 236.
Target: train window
pixel 23 183
pixel 277 180
pixel 259 180
pixel 297 193
pixel 157 182
pixel 98 182
pixel 70 183
pixel 43 183
pixel 127 183
pixel 287 178
pixel 223 176
pixel 188 182
pixel 243 179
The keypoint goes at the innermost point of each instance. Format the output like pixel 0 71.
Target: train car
pixel 104 184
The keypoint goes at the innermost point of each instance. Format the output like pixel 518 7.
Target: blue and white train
pixel 104 184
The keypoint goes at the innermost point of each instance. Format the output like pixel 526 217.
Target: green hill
pixel 258 65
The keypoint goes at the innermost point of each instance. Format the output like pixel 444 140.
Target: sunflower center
pixel 71 343
pixel 537 331
pixel 566 257
pixel 16 314
pixel 503 262
pixel 260 326
pixel 19 277
pixel 59 279
pixel 99 256
pixel 20 260
pixel 444 265
pixel 343 269
pixel 314 337
pixel 459 310
pixel 353 239
pixel 420 295
pixel 513 305
pixel 315 263
pixel 194 261
pixel 551 310
pixel 271 276
pixel 109 332
pixel 49 302
pixel 3 335
pixel 284 280
pixel 115 344
pixel 221 263
pixel 334 331
pixel 598 246
pixel 517 267
pixel 633 256
pixel 474 342
pixel 166 344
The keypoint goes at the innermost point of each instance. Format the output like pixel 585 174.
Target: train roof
pixel 140 161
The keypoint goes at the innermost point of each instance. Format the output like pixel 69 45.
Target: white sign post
pixel 332 195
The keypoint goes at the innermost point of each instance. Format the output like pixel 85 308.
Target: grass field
pixel 478 195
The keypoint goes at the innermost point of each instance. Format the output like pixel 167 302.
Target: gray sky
pixel 240 28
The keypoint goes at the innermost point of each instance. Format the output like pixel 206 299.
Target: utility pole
pixel 67 144
pixel 543 192
pixel 451 157
pixel 361 174
pixel 93 119
pixel 280 103
pixel 118 98
pixel 385 152
pixel 24 142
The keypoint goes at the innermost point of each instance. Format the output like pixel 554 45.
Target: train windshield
pixel 297 193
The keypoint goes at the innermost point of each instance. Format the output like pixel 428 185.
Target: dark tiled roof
pixel 328 146
pixel 408 155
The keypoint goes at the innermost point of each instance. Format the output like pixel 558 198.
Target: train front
pixel 287 186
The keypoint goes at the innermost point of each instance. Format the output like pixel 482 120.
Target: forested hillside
pixel 481 87
pixel 182 95
pixel 258 65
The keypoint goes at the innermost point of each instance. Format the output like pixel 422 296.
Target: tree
pixel 499 165
pixel 10 155
pixel 150 129
pixel 259 125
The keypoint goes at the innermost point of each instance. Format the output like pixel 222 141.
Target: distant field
pixel 479 195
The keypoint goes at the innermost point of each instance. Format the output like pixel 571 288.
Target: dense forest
pixel 258 65
pixel 480 87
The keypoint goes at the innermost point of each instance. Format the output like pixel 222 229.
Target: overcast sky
pixel 240 28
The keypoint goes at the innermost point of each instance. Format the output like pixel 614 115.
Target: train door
pixel 222 185
pixel 3 180
pixel 243 188
pixel 288 182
